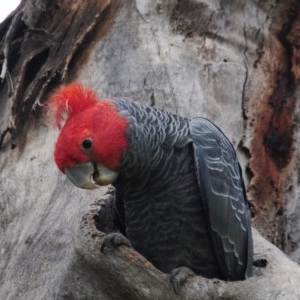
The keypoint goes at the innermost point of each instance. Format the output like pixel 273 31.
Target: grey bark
pixel 230 61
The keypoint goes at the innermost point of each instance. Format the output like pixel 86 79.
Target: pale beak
pixel 90 175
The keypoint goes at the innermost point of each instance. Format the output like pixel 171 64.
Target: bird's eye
pixel 87 144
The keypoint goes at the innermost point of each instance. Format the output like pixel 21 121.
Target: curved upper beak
pixel 90 175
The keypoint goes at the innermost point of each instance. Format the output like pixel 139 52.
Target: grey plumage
pixel 223 194
pixel 181 190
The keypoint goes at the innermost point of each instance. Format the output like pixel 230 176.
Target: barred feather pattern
pixel 164 214
pixel 222 188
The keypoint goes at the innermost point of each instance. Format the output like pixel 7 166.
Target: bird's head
pixel 92 136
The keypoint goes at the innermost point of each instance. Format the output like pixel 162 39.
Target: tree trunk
pixel 236 63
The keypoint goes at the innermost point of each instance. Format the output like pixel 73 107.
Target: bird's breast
pixel 165 220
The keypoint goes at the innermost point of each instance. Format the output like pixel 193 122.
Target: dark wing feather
pixel 223 192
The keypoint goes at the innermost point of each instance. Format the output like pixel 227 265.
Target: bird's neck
pixel 152 134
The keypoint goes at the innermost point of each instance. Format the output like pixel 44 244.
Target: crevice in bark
pixel 40 43
pixel 244 98
pixel 4 134
pixel 279 137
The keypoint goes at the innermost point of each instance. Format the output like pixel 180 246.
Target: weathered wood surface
pixel 275 275
pixel 42 42
pixel 233 62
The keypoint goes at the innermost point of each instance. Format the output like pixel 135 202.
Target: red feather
pixel 70 100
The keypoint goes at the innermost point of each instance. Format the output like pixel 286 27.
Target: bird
pixel 180 194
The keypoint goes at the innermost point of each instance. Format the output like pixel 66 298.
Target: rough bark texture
pixel 41 44
pixel 271 125
pixel 234 62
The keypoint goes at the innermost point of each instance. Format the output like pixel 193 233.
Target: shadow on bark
pixel 41 44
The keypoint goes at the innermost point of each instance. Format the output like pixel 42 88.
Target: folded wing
pixel 223 193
